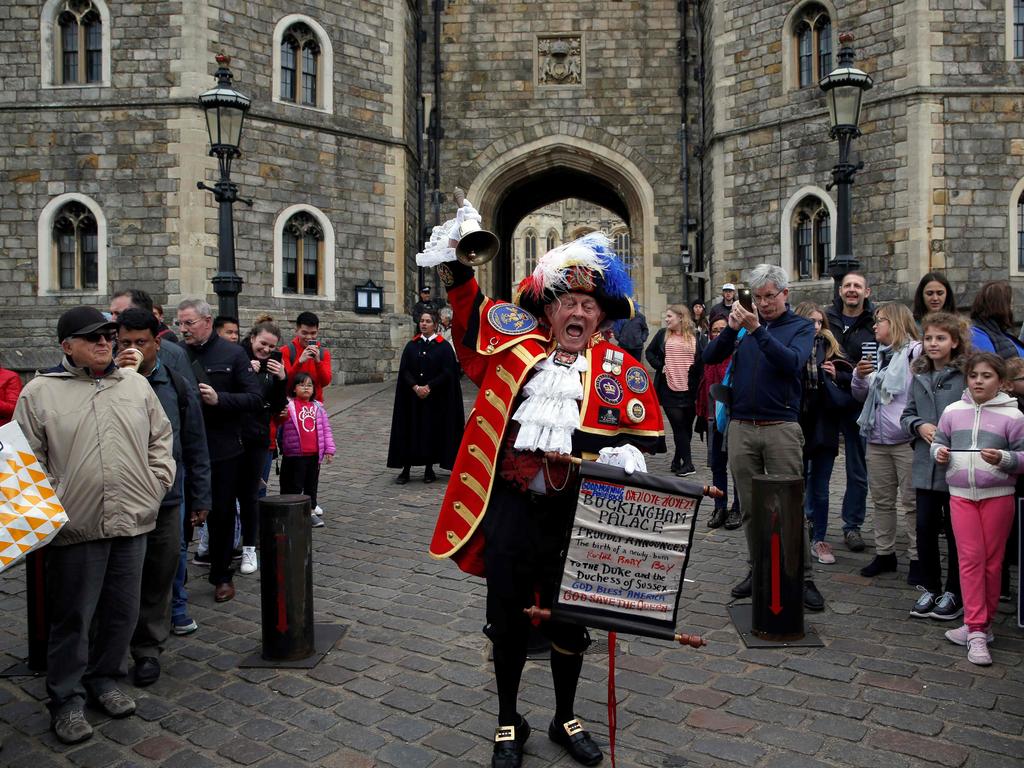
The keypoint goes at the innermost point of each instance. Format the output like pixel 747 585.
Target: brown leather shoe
pixel 224 592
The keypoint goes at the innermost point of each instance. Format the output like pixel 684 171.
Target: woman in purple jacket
pixel 306 442
pixel 882 382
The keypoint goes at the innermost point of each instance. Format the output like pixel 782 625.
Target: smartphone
pixel 869 350
pixel 745 299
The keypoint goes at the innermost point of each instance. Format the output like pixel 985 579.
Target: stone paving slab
pixel 410 684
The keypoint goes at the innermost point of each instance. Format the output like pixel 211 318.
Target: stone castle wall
pixel 941 141
pixel 138 147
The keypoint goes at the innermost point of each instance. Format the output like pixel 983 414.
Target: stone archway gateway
pixel 536 173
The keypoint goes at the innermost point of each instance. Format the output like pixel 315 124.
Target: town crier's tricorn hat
pixel 586 265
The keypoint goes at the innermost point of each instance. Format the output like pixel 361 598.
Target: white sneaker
pixel 977 649
pixel 318 511
pixel 961 635
pixel 250 561
pixel 823 551
pixel 316 521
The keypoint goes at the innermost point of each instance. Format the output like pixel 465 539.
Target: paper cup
pixel 138 358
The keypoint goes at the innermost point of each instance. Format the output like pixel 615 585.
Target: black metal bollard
pixel 778 540
pixel 286 588
pixel 36 605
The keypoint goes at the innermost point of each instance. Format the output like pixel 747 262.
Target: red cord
pixel 612 703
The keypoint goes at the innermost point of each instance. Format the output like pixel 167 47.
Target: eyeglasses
pixel 766 297
pixel 189 323
pixel 1018 378
pixel 881 320
pixel 95 338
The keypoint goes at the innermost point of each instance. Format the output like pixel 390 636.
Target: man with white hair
pixel 772 345
pixel 227 388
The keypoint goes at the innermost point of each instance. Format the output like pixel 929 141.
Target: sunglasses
pixel 94 338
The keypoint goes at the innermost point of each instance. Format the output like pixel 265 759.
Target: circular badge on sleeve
pixel 637 380
pixel 510 319
pixel 635 411
pixel 608 389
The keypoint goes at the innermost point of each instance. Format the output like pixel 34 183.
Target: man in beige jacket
pixel 105 442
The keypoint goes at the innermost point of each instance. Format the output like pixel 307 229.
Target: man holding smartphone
pixel 764 435
pixel 851 318
pixel 306 354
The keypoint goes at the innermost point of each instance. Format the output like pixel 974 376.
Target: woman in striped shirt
pixel 675 356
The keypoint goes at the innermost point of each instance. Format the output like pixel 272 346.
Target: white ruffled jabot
pixel 550 412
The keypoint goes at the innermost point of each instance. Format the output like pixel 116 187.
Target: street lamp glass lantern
pixel 225 112
pixel 844 88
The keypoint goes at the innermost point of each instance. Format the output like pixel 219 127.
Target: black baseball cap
pixel 81 321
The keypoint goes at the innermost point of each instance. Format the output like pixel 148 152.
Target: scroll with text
pixel 627 551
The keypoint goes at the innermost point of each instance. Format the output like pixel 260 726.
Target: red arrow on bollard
pixel 282 613
pixel 776 575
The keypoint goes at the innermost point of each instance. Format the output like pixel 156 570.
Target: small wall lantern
pixel 369 299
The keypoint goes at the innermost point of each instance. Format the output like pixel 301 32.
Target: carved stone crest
pixel 560 60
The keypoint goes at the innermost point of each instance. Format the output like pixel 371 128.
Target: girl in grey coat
pixel 938 382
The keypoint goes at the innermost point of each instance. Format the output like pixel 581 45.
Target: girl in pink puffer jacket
pixel 306 442
pixel 980 441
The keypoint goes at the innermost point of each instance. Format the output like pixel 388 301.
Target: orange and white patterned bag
pixel 30 512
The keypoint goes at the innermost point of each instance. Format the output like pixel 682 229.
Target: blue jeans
pixel 817 474
pixel 856 496
pixel 179 598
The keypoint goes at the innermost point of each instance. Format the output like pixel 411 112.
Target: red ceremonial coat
pixel 498 345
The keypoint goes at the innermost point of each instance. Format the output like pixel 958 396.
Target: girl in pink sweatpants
pixel 980 439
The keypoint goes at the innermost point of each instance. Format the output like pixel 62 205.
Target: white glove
pixel 627 457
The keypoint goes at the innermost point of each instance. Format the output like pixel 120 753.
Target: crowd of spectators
pixel 193 426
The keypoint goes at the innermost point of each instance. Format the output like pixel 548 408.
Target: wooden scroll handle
pixel 693 641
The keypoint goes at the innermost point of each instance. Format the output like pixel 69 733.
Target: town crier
pixel 551 388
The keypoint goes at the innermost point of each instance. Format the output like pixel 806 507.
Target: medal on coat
pixel 608 389
pixel 635 411
pixel 612 362
pixel 637 380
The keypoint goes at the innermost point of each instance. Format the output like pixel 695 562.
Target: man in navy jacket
pixel 764 435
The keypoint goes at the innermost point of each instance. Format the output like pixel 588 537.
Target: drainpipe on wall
pixel 682 46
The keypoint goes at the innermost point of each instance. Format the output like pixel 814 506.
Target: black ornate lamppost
pixel 225 110
pixel 844 88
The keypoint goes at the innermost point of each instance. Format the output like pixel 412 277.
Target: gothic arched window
pixel 300 63
pixel 79 51
pixel 302 255
pixel 812 239
pixel 530 251
pixel 76 248
pixel 812 30
pixel 552 240
pixel 1020 232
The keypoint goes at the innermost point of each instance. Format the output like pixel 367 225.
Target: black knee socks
pixel 565 674
pixel 509 659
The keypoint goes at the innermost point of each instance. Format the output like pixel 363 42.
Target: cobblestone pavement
pixel 410 685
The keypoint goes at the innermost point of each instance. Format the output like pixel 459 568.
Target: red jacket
pixel 10 388
pixel 321 372
pixel 507 343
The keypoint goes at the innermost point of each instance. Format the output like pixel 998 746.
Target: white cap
pixel 728 287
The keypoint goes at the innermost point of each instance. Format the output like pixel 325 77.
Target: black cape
pixel 427 431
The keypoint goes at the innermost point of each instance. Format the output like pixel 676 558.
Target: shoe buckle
pixel 505 733
pixel 573 727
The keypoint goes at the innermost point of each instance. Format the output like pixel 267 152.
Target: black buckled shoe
pixel 509 741
pixel 576 741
